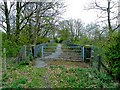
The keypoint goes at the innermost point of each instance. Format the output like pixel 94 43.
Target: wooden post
pixel 92 57
pixel 25 53
pixel 4 53
pixel 32 48
pixel 91 61
pixel 99 62
pixel 1 59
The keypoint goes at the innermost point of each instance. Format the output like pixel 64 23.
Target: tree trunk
pixel 7 18
pixel 109 23
pixel 17 18
pixel 119 16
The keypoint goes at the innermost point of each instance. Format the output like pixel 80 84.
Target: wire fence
pixel 28 52
pixel 38 50
pixel 97 61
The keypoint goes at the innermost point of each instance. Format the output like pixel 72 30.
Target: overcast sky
pixel 75 10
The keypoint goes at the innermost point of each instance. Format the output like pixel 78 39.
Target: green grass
pixel 23 76
pixel 62 77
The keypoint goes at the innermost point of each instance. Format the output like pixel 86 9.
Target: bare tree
pixel 72 28
pixel 5 15
pixel 107 12
pixel 21 17
pixel 79 28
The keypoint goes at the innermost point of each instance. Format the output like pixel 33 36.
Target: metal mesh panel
pixel 21 55
pixel 22 51
pixel 67 52
pixel 37 49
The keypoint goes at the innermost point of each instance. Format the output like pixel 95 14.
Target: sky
pixel 75 10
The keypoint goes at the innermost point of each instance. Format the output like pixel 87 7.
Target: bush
pixel 11 48
pixel 113 56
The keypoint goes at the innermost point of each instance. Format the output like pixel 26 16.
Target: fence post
pixel 25 52
pixel 83 51
pixel 92 57
pixel 99 62
pixel 42 50
pixel 4 53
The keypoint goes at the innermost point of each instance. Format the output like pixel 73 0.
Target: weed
pixel 22 80
pixel 53 67
pixel 80 78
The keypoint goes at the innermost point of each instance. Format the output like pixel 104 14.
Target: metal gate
pixel 61 51
pixel 74 53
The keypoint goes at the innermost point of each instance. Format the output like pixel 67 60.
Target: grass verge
pixel 23 76
pixel 62 77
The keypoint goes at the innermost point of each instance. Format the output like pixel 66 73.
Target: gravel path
pixel 57 53
pixel 40 63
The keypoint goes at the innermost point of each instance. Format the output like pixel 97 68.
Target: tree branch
pixel 116 27
pixel 99 7
pixel 24 25
pixel 24 5
pixel 2 26
pixel 26 17
pixel 11 7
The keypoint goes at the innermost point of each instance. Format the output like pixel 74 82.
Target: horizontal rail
pixel 49 46
pixel 72 50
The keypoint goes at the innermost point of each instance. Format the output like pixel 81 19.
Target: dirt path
pixel 68 64
pixel 52 61
pixel 40 63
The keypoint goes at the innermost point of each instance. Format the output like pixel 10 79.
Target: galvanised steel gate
pixel 61 51
pixel 65 52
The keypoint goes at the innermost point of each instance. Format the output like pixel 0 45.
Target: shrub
pixel 113 56
pixel 11 48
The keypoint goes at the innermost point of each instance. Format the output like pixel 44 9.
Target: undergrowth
pixel 62 77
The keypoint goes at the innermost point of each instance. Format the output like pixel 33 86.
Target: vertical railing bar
pixel 42 52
